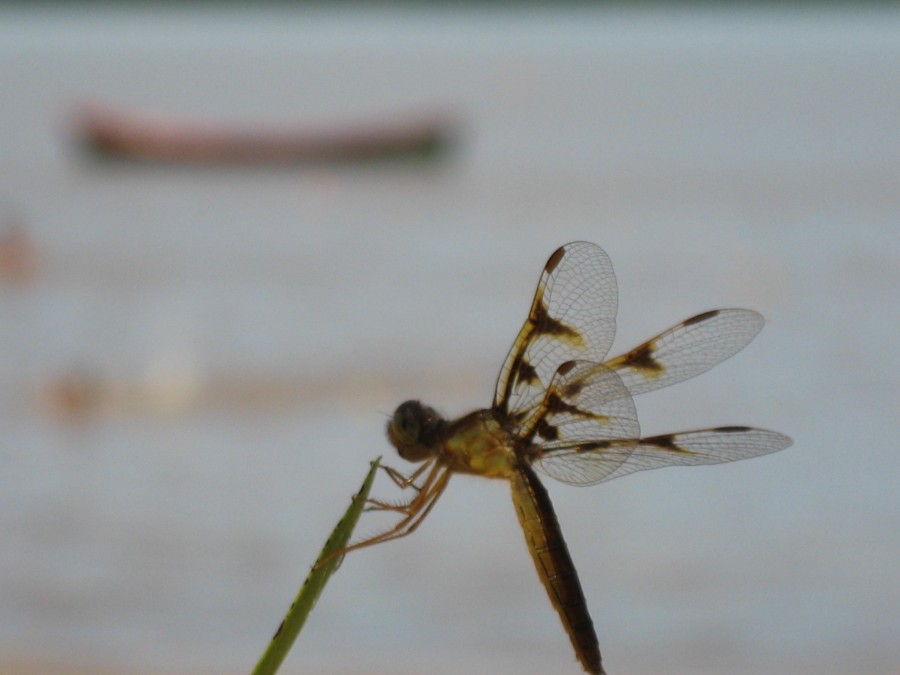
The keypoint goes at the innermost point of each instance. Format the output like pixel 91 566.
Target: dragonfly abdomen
pixel 554 565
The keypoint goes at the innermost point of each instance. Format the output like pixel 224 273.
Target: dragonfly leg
pixel 379 505
pixel 403 481
pixel 410 507
pixel 415 511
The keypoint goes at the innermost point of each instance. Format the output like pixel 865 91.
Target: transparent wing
pixel 585 403
pixel 573 316
pixel 576 414
pixel 595 461
pixel 686 350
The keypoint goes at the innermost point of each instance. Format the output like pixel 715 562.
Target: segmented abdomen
pixel 554 565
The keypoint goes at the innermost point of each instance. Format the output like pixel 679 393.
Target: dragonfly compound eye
pixel 407 423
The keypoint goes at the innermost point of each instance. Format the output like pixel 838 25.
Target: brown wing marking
pixel 584 401
pixel 553 406
pixel 687 349
pixel 538 324
pixel 544 324
pixel 586 406
pixel 572 316
pixel 521 370
pixel 594 461
pixel 554 565
pixel 641 360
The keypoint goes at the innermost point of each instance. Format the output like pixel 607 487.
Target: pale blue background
pixel 723 157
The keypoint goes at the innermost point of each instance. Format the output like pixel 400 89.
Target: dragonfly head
pixel 415 430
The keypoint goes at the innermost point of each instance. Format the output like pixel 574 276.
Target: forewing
pixel 686 448
pixel 585 403
pixel 688 349
pixel 573 316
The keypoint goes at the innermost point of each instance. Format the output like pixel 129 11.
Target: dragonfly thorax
pixel 416 430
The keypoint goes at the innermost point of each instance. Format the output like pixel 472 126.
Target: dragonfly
pixel 562 407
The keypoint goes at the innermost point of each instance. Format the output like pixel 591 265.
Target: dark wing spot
pixel 554 260
pixel 525 372
pixel 594 445
pixel 732 430
pixel 572 389
pixel 546 430
pixel 701 317
pixel 667 442
pixel 556 405
pixel 547 325
pixel 566 367
pixel 641 358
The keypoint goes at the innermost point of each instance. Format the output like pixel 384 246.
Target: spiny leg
pixel 416 515
pixel 404 482
pixel 417 509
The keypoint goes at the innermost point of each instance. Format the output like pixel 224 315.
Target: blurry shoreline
pixel 82 394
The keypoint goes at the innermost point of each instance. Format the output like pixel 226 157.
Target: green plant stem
pixel 309 593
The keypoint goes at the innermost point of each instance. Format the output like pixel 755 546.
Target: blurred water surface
pixel 234 337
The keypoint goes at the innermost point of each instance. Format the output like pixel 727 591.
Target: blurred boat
pixel 136 135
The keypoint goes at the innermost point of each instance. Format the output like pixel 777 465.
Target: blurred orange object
pixel 19 255
pixel 153 137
